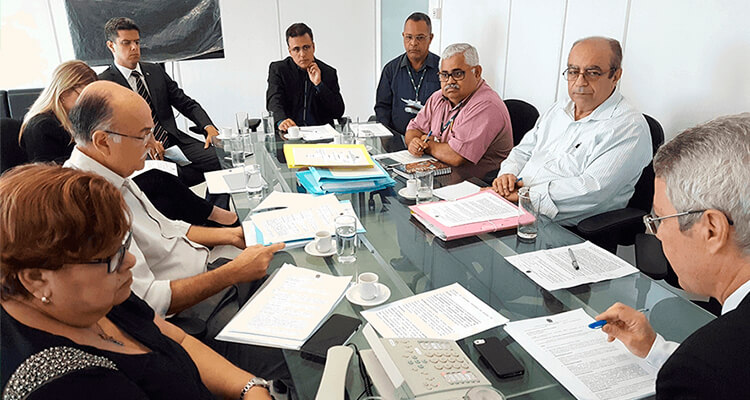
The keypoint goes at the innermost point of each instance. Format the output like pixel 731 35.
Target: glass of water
pixel 253 180
pixel 243 122
pixel 346 238
pixel 238 152
pixel 425 180
pixel 268 122
pixel 528 203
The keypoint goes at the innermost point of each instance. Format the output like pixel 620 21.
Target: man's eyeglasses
pixel 652 222
pixel 418 38
pixel 143 139
pixel 591 75
pixel 115 262
pixel 457 74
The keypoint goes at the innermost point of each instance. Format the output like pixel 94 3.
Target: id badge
pixel 412 106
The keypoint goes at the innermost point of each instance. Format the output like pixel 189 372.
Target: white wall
pixel 685 61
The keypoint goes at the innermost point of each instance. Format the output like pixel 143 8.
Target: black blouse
pixel 45 139
pixel 167 372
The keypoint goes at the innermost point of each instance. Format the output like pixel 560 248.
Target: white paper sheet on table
pixel 552 269
pixel 319 132
pixel 288 309
pixel 174 153
pixel 479 208
pixel 581 359
pixel 453 192
pixel 166 166
pixel 451 312
pixel 216 181
pixel 403 157
pixel 370 129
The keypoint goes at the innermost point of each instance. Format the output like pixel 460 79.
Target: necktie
pixel 160 133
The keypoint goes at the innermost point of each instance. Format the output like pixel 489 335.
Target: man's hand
pixel 210 132
pixel 418 147
pixel 252 263
pixel 285 124
pixel 313 71
pixel 156 149
pixel 505 184
pixel 630 327
pixel 235 237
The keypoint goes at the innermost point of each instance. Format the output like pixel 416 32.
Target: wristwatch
pixel 256 381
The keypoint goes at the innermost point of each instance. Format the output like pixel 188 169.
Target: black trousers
pixel 202 160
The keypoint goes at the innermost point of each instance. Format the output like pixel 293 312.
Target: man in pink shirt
pixel 465 125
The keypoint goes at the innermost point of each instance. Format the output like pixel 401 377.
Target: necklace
pixel 107 338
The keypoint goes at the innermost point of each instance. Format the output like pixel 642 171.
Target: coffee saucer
pixel 287 137
pixel 406 195
pixel 353 295
pixel 311 250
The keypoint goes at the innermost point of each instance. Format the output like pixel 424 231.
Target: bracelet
pixel 245 389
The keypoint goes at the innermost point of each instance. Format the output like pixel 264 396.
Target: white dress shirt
pixel 662 349
pixel 160 245
pixel 128 74
pixel 585 167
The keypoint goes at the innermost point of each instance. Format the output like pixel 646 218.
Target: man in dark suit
pixel 162 93
pixel 702 217
pixel 302 90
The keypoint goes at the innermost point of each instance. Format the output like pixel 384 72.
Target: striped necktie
pixel 160 133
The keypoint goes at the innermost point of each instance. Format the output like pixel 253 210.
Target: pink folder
pixel 461 231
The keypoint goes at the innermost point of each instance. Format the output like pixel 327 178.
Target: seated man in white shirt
pixel 586 153
pixel 702 217
pixel 113 130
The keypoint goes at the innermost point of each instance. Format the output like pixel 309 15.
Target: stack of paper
pixel 327 155
pixel 371 129
pixel 294 218
pixel 317 180
pixel 553 269
pixel 287 310
pixel 319 132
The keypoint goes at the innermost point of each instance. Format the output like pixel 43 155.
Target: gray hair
pixel 615 59
pixel 91 113
pixel 471 56
pixel 706 167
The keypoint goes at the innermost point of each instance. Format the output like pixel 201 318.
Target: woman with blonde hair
pixel 46 136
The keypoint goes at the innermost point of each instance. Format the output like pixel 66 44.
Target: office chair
pixel 523 117
pixel 619 227
pixel 4 107
pixel 20 100
pixel 11 153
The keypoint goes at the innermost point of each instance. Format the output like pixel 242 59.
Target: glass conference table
pixel 409 260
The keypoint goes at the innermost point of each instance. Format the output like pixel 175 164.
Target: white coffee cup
pixel 227 132
pixel 411 187
pixel 323 242
pixel 293 132
pixel 368 285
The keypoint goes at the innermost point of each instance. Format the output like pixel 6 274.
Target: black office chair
pixel 20 100
pixel 4 107
pixel 523 117
pixel 11 153
pixel 620 227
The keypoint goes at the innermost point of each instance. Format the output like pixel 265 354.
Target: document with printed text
pixel 581 359
pixel 482 207
pixel 451 312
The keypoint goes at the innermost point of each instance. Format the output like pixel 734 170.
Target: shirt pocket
pixel 568 164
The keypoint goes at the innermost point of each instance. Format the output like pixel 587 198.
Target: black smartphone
pixel 337 330
pixel 388 162
pixel 496 355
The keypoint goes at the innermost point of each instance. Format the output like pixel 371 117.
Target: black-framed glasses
pixel 457 74
pixel 418 38
pixel 652 222
pixel 115 261
pixel 590 74
pixel 143 139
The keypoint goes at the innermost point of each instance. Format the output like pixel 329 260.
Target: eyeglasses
pixel 115 262
pixel 457 74
pixel 652 223
pixel 418 38
pixel 143 139
pixel 591 75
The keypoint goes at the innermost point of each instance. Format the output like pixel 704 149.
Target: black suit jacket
pixel 165 94
pixel 713 362
pixel 286 91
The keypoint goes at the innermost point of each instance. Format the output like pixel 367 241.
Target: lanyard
pixel 459 107
pixel 415 86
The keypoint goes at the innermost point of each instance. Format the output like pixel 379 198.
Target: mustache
pixel 451 86
pixel 579 89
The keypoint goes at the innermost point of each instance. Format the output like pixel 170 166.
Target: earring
pixel 45 300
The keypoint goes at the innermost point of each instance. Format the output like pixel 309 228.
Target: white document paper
pixel 166 166
pixel 453 192
pixel 552 269
pixel 325 156
pixel 482 207
pixel 319 132
pixel 451 312
pixel 581 359
pixel 403 157
pixel 371 129
pixel 226 180
pixel 288 309
pixel 173 153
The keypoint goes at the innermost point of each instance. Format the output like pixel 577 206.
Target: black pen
pixel 573 260
pixel 262 210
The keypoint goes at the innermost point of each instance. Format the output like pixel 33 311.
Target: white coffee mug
pixel 368 285
pixel 411 187
pixel 227 132
pixel 323 242
pixel 293 132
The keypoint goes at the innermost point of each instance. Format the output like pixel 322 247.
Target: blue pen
pixel 428 137
pixel 599 324
pixel 519 180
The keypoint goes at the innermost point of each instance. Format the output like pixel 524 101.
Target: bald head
pixel 603 44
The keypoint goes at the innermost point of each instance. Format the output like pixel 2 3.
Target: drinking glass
pixel 253 180
pixel 346 238
pixel 528 202
pixel 347 134
pixel 243 122
pixel 237 152
pixel 425 180
pixel 269 127
pixel 247 144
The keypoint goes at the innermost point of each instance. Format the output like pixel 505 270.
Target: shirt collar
pixel 605 110
pixel 125 71
pixel 80 160
pixel 735 298
pixel 431 61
